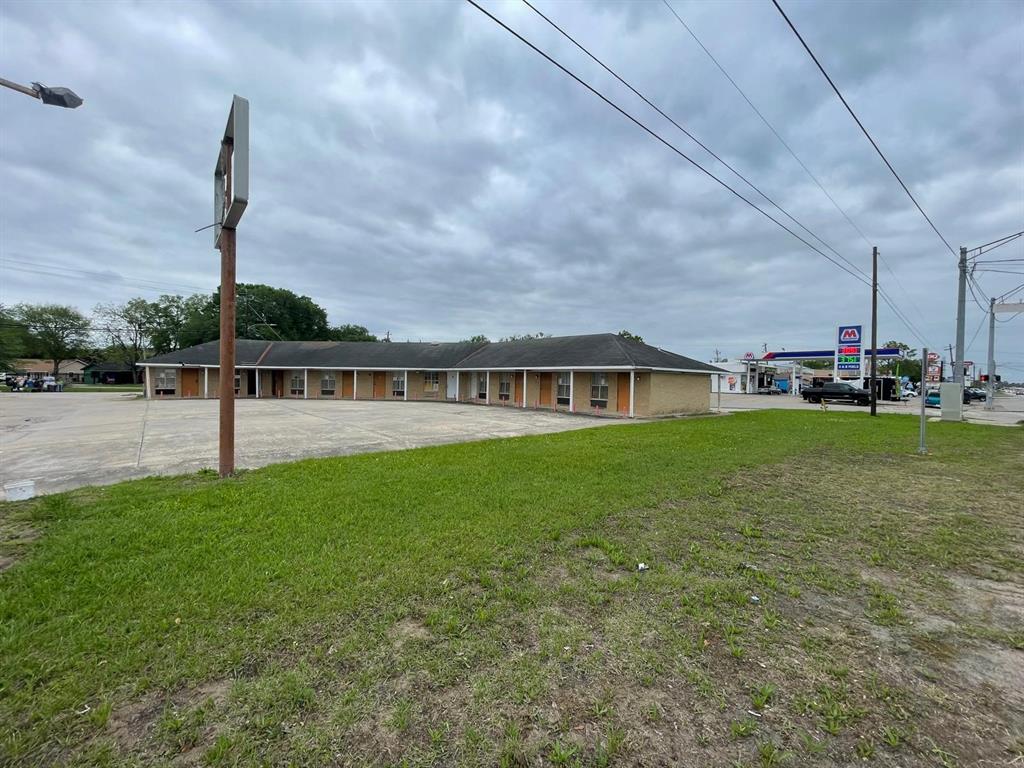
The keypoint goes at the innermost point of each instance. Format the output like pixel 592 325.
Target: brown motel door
pixel 622 394
pixel 380 384
pixel 190 382
pixel 545 389
pixel 346 384
pixel 519 389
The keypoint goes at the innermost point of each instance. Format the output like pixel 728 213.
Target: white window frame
pixel 564 381
pixel 163 377
pixel 481 386
pixel 431 381
pixel 328 377
pixel 598 382
pixel 300 387
pixel 398 377
pixel 504 386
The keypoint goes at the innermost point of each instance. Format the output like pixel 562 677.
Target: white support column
pixel 355 384
pixel 632 387
pixel 148 382
pixel 206 382
pixel 405 385
pixel 524 387
pixel 487 387
pixel 257 383
pixel 305 383
pixel 572 391
pixel 458 381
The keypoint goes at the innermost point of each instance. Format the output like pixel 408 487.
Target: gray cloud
pixel 418 170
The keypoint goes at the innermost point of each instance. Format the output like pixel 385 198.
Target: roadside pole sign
pixel 848 348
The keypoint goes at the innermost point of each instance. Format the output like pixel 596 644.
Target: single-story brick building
pixel 599 373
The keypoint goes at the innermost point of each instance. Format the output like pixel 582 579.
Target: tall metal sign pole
pixel 991 367
pixel 874 330
pixel 924 419
pixel 230 197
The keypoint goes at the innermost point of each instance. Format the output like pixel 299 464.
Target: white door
pixel 453 385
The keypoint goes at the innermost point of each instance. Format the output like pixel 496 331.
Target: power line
pixel 800 162
pixel 862 128
pixel 862 278
pixel 995 244
pixel 658 137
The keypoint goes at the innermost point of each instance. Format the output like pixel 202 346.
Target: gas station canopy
pixel 884 353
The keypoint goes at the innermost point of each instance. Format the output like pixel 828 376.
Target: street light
pixel 57 97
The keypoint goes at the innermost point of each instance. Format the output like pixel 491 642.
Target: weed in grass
pixel 401 718
pixel 740 729
pixel 811 745
pixel 761 695
pixel 654 714
pixel 603 706
pixel 883 607
pixel 892 736
pixel 220 753
pixel 609 747
pixel 771 619
pixel 865 749
pixel 770 755
pixel 513 754
pixel 735 649
pixel 563 754
pixel 100 714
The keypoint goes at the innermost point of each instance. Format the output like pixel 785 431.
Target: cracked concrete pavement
pixel 67 440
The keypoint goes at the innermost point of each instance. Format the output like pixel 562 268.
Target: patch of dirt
pixel 995 602
pixel 133 723
pixel 408 629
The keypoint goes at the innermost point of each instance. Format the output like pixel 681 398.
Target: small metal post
pixel 990 394
pixel 874 331
pixel 923 395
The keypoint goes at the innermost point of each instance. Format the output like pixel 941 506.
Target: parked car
pixel 976 393
pixel 837 391
pixel 931 400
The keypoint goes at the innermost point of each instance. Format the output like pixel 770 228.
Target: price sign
pixel 848 348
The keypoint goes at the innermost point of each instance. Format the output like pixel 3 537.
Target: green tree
pixel 128 329
pixel 478 339
pixel 57 333
pixel 349 332
pixel 525 336
pixel 13 337
pixel 908 366
pixel 631 336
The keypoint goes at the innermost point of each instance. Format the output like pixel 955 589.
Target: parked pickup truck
pixel 837 391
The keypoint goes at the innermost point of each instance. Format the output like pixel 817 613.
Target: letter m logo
pixel 850 334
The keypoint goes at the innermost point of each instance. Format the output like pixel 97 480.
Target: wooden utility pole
pixel 226 453
pixel 230 198
pixel 874 331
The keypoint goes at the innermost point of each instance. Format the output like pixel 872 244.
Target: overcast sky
pixel 418 170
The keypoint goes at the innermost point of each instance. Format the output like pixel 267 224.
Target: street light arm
pixel 19 88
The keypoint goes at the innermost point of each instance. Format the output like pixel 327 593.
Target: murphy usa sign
pixel 848 348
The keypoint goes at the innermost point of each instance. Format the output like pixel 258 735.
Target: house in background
pixel 596 374
pixel 109 373
pixel 69 370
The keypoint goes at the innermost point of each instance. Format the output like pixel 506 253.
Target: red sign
pixel 850 334
pixel 849 350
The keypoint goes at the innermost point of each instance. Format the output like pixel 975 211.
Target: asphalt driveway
pixel 66 440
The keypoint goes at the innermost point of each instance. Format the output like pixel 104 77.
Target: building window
pixel 564 388
pixel 504 386
pixel 599 390
pixel 431 381
pixel 398 384
pixel 298 385
pixel 166 381
pixel 327 383
pixel 238 382
pixel 481 386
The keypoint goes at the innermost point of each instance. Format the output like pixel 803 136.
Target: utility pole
pixel 991 388
pixel 230 198
pixel 961 300
pixel 874 330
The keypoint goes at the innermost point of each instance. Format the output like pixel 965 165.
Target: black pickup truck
pixel 837 391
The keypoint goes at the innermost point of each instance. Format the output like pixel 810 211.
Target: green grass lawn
pixel 103 388
pixel 480 604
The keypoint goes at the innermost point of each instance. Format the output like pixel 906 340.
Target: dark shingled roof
pixel 598 349
pixel 591 351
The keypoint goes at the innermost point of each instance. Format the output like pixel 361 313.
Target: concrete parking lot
pixel 67 440
pixel 1008 410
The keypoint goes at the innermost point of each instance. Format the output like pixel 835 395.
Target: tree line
pixel 138 328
